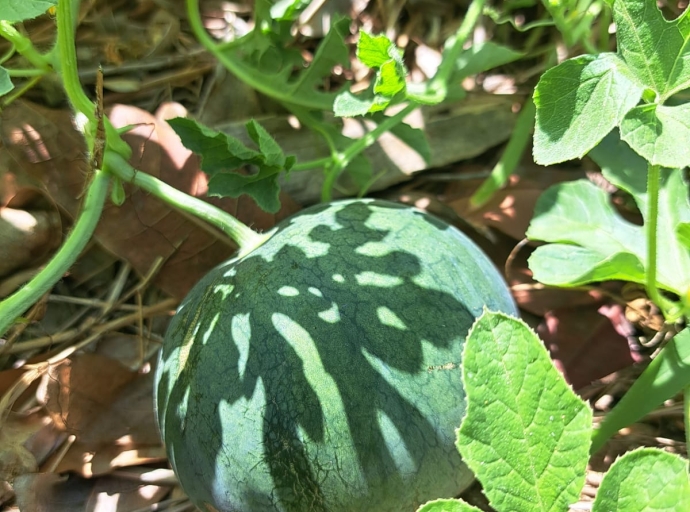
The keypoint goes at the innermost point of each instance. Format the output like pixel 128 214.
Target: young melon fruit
pixel 321 372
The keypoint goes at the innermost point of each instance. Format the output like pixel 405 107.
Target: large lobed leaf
pixel 526 434
pixel 582 99
pixel 591 242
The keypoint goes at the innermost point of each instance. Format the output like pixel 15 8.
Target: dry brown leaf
pixel 15 458
pixel 45 146
pixel 82 389
pixel 48 492
pixel 587 343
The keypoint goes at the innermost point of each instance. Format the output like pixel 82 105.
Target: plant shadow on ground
pixel 325 366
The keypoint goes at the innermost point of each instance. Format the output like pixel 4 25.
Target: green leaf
pixel 525 434
pixel 269 148
pixel 262 187
pixel 482 57
pixel 570 265
pixel 375 51
pixel 6 84
pixel 447 505
pixel 594 243
pixel 578 103
pixel 347 104
pixel 221 154
pixel 665 376
pixel 654 131
pixel 580 213
pixel 20 10
pixel 331 52
pixel 390 79
pixel 643 480
pixel 655 49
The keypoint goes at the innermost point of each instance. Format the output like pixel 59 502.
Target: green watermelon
pixel 321 372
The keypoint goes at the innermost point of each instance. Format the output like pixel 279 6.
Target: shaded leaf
pixel 653 131
pixel 483 57
pixel 578 103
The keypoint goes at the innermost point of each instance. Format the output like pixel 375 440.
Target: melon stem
pixel 246 238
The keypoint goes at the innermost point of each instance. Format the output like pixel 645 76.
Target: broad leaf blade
pixel 347 104
pixel 269 148
pixel 526 433
pixel 580 213
pixel 655 49
pixel 628 171
pixel 390 79
pixel 643 480
pixel 665 376
pixel 578 103
pixel 447 505
pixel 654 131
pixel 570 265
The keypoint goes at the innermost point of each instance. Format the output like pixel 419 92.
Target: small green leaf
pixel 20 10
pixel 653 131
pixel 375 51
pixel 665 376
pixel 578 103
pixel 6 84
pixel 117 192
pixel 347 104
pixel 447 505
pixel 482 57
pixel 221 154
pixel 643 480
pixel 525 434
pixel 390 79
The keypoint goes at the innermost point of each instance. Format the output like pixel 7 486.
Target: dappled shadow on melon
pixel 318 341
